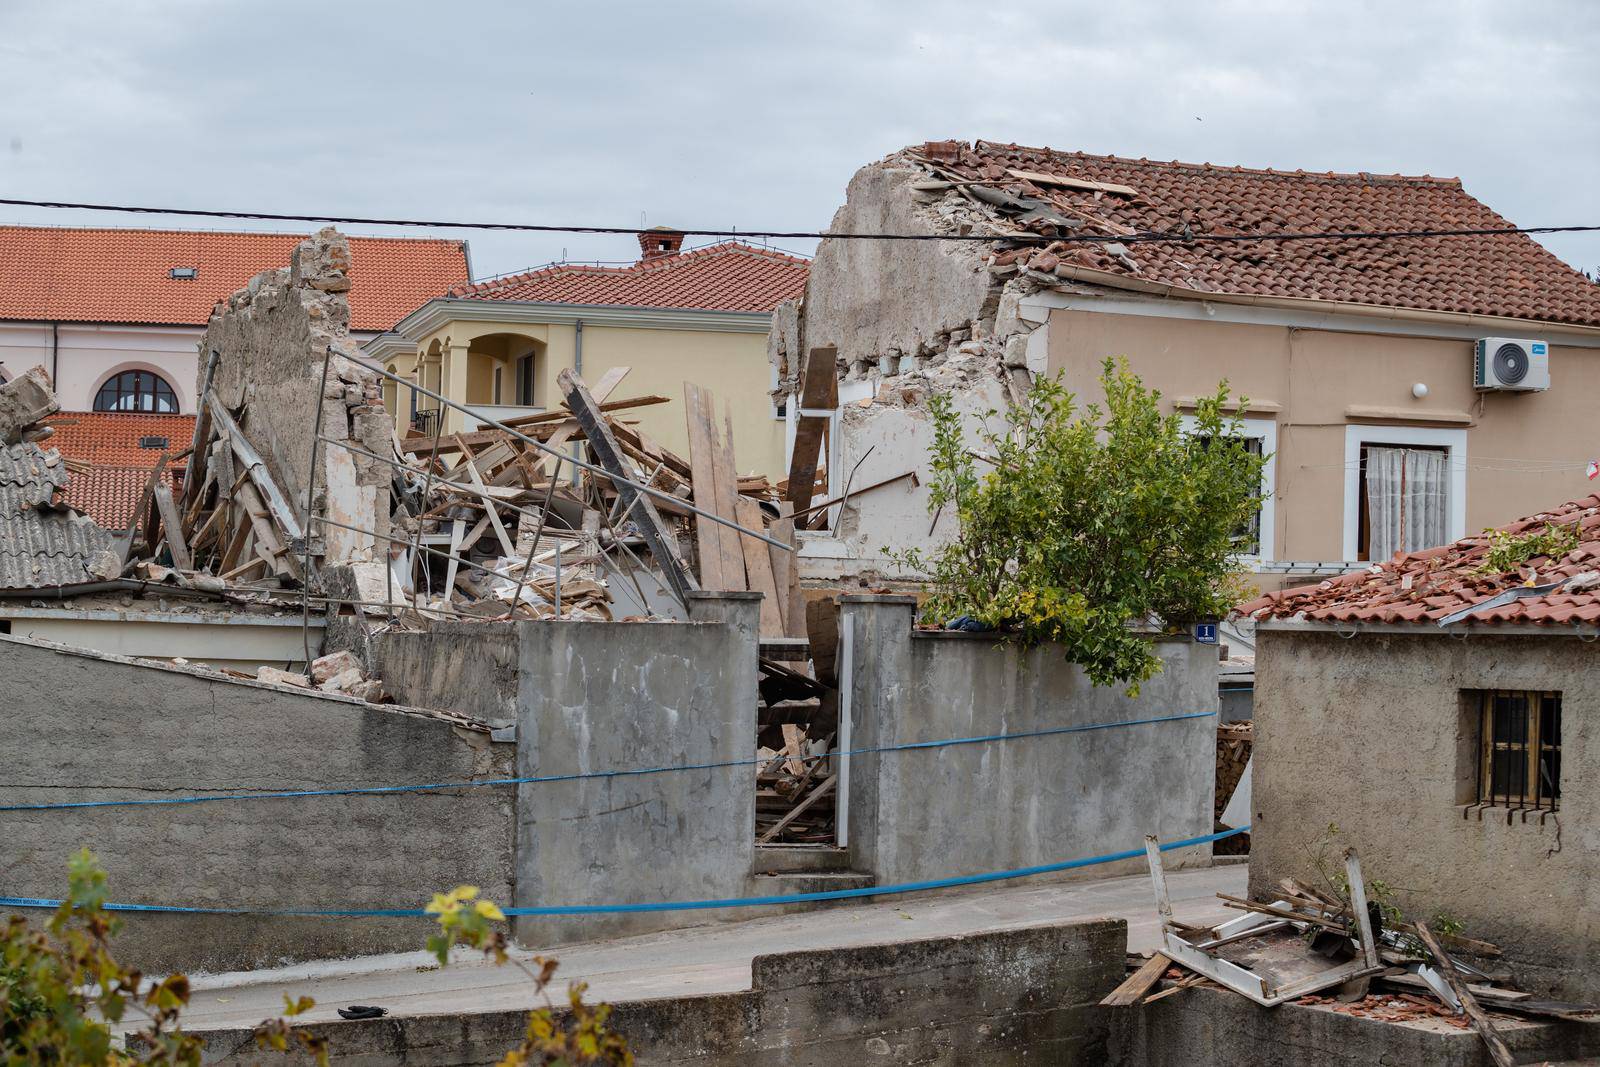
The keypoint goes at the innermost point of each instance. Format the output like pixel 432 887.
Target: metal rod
pixel 558 579
pixel 538 532
pixel 561 456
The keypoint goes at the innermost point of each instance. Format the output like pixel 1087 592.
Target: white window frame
pixel 1454 442
pixel 1265 430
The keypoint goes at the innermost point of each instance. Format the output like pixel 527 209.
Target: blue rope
pixel 379 790
pixel 675 905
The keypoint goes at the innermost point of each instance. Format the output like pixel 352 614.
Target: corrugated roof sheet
pixel 105 275
pixel 1424 587
pixel 1506 275
pixel 43 546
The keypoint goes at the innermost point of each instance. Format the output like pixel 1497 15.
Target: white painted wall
pixel 89 354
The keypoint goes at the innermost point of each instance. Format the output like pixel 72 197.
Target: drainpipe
pixel 577 351
pixel 55 355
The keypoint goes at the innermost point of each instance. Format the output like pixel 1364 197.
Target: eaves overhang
pixel 441 311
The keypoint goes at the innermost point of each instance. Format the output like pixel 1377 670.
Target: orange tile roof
pixel 730 276
pixel 89 275
pixel 120 467
pixel 1506 275
pixel 1424 587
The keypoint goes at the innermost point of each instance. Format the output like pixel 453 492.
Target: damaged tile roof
pixel 1506 275
pixel 44 544
pixel 730 276
pixel 1424 587
pixel 50 274
pixel 121 447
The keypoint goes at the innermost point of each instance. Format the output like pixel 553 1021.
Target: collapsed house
pixel 1019 261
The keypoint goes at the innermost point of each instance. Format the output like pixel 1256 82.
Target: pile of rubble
pixel 1308 941
pixel 337 672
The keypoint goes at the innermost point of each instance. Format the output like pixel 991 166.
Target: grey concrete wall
pixel 603 696
pixel 466 667
pixel 1219 1028
pixel 1015 997
pixel 81 726
pixel 1369 734
pixel 967 809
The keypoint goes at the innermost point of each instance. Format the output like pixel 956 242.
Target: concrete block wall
pixel 968 809
pixel 610 696
pixel 83 726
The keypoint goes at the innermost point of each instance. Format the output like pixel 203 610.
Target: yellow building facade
pixel 498 349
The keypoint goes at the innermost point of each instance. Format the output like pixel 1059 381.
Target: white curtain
pixel 1406 500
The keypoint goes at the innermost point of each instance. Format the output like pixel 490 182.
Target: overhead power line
pixel 1142 237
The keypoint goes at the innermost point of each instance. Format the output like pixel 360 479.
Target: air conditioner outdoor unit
pixel 1511 363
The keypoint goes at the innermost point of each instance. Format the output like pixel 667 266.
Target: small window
pixel 136 390
pixel 153 442
pixel 1404 499
pixel 184 274
pixel 1519 749
pixel 1247 538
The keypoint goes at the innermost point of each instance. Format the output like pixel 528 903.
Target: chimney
pixel 658 242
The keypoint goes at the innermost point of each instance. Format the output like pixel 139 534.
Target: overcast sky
pixel 755 115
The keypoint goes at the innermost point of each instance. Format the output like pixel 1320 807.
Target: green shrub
pixel 1087 520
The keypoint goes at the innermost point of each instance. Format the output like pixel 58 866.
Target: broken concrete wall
pixel 1000 998
pixel 969 809
pixel 24 400
pixel 466 667
pixel 1378 734
pixel 597 696
pixel 910 320
pixel 105 727
pixel 272 338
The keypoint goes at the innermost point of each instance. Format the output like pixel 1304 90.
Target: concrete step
pixel 776 885
pixel 800 859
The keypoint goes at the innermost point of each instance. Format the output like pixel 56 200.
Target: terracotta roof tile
pixel 1429 585
pixel 724 277
pixel 119 466
pixel 1507 275
pixel 90 275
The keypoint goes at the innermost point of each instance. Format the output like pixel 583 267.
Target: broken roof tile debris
pixel 1043 191
pixel 1433 585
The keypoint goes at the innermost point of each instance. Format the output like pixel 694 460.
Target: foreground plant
pixel 1085 520
pixel 62 990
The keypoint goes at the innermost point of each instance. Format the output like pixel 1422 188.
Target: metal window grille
pixel 1520 745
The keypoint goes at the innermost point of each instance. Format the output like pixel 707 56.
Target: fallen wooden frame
pixel 1198 955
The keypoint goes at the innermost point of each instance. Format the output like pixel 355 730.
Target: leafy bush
pixel 1508 551
pixel 1090 519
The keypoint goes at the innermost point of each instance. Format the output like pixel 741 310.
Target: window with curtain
pixel 1404 500
pixel 136 390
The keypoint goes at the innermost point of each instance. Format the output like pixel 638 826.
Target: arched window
pixel 136 390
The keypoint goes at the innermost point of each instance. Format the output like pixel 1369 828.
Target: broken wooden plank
pixel 702 461
pixel 799 809
pixel 1137 984
pixel 758 567
pixel 603 447
pixel 173 526
pixel 492 512
pixel 1085 184
pixel 457 529
pixel 782 529
pixel 726 504
pixel 259 474
pixel 819 396
pixel 136 521
pixel 1498 1050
